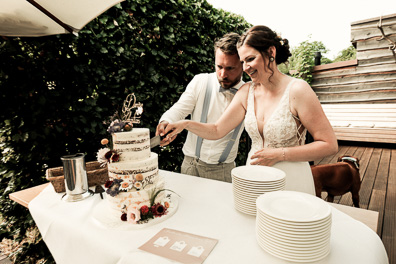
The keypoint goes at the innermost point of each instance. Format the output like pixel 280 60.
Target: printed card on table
pixel 180 246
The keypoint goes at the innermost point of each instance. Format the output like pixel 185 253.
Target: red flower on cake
pixel 108 184
pixel 115 157
pixel 144 210
pixel 124 217
pixel 158 209
pixel 108 155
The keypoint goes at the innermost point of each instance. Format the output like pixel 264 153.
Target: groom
pixel 206 98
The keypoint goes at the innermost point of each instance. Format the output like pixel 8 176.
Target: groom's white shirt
pixel 191 102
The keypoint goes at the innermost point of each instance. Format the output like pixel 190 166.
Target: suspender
pixel 230 143
pixel 204 115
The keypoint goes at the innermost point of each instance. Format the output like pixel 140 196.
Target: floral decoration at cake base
pixel 108 217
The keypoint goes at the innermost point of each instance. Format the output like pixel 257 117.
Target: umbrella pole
pixel 45 11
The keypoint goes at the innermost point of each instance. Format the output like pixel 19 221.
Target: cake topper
pixel 108 154
pixel 130 104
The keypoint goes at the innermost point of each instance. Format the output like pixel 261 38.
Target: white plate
pixel 301 241
pixel 284 229
pixel 307 251
pixel 265 217
pixel 245 205
pixel 243 181
pixel 258 190
pixel 287 225
pixel 294 258
pixel 250 195
pixel 253 213
pixel 258 173
pixel 296 253
pixel 293 206
pixel 297 233
pixel 291 242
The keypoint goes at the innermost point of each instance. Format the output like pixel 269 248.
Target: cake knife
pixel 155 141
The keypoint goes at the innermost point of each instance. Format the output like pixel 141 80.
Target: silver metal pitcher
pixel 76 180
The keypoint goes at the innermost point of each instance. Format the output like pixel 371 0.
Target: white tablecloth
pixel 205 208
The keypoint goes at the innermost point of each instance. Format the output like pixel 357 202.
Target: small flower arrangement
pixel 135 215
pixel 107 154
pixel 116 186
pixel 119 126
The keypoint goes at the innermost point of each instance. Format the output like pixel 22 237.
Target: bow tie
pixel 230 90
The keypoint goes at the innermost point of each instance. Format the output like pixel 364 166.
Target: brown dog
pixel 338 178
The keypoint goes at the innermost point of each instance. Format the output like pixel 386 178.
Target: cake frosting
pixel 133 145
pixel 134 179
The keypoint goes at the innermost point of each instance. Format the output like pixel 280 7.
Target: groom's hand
pixel 161 131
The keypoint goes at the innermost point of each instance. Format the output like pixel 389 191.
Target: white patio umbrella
pixel 35 18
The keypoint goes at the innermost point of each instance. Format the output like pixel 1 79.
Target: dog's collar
pixel 352 160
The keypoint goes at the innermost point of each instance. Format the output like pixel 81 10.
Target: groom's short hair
pixel 227 43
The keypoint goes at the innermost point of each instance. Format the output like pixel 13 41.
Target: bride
pixel 277 110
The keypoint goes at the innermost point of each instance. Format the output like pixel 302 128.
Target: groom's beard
pixel 227 83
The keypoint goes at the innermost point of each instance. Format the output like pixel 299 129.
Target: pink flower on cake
pixel 133 215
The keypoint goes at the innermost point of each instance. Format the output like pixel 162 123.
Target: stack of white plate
pixel 293 226
pixel 249 182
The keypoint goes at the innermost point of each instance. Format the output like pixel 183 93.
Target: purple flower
pixel 114 188
pixel 116 126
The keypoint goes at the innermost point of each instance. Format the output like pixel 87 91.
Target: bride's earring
pixel 272 59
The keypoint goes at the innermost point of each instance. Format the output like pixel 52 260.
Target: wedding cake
pixel 135 190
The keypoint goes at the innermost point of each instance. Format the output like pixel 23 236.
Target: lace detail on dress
pixel 280 130
pixel 251 123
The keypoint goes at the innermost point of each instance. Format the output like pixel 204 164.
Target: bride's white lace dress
pixel 282 129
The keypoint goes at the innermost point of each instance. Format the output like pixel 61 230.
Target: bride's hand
pixel 267 156
pixel 173 129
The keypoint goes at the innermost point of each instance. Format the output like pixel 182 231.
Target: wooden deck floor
pixel 378 189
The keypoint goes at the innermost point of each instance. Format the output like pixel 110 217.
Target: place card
pixel 180 246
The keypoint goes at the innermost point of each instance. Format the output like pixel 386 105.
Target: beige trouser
pixel 196 167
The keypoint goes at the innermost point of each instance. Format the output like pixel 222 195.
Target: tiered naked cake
pixel 135 176
pixel 135 189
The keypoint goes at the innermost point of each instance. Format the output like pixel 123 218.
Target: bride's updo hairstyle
pixel 262 38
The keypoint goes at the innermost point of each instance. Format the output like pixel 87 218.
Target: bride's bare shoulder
pixel 245 87
pixel 301 88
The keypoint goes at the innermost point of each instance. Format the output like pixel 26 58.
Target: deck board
pixel 378 190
